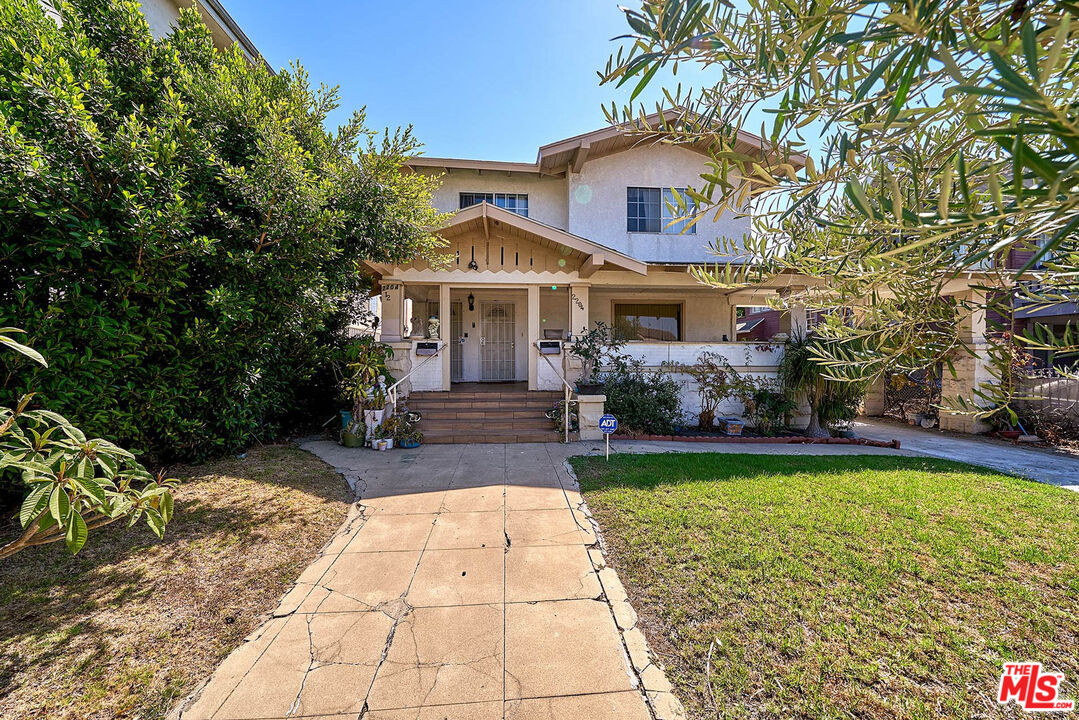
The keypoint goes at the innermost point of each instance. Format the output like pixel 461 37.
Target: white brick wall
pixel 746 358
pixel 429 376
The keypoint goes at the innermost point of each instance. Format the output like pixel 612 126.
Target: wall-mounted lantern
pixel 471 302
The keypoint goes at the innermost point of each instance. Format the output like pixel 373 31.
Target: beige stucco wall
pixel 554 308
pixel 705 313
pixel 160 15
pixel 597 203
pixel 546 195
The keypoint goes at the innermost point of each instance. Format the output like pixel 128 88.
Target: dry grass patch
pixel 839 587
pixel 131 624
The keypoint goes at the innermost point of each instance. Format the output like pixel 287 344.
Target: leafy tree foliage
pixel 946 136
pixel 179 233
pixel 76 484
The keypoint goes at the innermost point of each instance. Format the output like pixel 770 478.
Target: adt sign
pixel 607 425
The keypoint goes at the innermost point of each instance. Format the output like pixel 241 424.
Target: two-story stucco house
pixel 538 252
pixel 541 251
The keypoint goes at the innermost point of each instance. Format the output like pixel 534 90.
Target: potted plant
pixel 362 375
pixel 353 436
pixel 405 433
pixel 382 435
pixel 408 439
pixel 593 346
pixel 713 375
pixel 374 408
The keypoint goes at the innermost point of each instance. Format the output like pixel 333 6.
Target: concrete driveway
pixel 466 586
pixel 1042 464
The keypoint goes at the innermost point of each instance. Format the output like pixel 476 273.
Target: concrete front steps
pixel 485 417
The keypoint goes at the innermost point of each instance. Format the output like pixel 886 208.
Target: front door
pixel 456 348
pixel 497 347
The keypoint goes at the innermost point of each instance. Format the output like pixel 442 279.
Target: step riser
pixel 485 440
pixel 432 405
pixel 484 428
pixel 414 397
pixel 479 416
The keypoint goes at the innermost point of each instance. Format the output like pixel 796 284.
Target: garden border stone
pixel 646 666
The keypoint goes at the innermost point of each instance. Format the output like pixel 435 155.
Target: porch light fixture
pixel 473 265
pixel 471 302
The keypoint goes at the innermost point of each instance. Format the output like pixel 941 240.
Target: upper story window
pixel 514 202
pixel 652 210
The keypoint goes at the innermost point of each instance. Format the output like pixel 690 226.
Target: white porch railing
pixel 567 389
pixel 761 355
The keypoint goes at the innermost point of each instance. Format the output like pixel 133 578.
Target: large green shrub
pixel 179 234
pixel 803 374
pixel 643 401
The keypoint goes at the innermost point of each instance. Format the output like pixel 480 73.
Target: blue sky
pixel 488 80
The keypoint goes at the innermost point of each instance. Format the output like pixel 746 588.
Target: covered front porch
pixel 510 291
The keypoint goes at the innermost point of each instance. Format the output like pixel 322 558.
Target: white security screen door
pixel 497 356
pixel 456 349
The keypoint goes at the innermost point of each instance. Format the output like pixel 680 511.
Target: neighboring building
pixel 161 16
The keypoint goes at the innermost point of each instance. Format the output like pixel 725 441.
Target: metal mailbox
pixel 426 348
pixel 550 347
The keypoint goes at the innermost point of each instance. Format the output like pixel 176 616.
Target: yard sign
pixel 607 425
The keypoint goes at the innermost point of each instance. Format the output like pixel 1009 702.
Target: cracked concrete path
pixel 466 585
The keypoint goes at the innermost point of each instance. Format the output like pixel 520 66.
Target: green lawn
pixel 839 587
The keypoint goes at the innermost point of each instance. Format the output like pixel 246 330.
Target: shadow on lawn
pixel 226 513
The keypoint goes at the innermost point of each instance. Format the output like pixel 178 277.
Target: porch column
pixel 572 367
pixel 794 321
pixel 578 307
pixel 533 336
pixel 873 405
pixel 444 332
pixel 393 311
pixel 971 371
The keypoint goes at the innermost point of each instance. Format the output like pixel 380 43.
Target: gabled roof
pixel 554 158
pixel 593 256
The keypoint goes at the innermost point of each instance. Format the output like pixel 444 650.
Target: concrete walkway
pixel 465 587
pixel 468 584
pixel 1041 464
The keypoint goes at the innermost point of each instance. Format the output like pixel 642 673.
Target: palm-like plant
pixel 803 375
